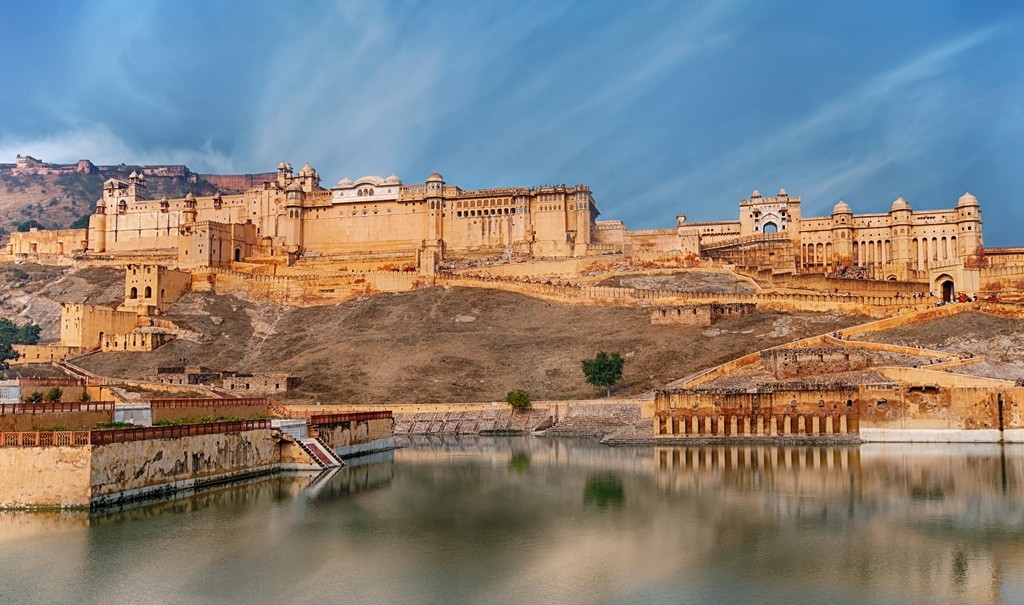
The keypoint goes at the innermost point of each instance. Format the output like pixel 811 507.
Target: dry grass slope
pixel 458 344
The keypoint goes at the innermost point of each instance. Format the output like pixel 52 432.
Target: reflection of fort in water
pixel 929 522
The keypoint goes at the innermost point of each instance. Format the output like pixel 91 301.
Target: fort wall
pixel 699 315
pixel 45 477
pixel 55 243
pixel 124 471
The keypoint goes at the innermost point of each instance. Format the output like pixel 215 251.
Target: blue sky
pixel 661 107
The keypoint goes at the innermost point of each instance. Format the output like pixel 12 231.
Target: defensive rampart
pixel 92 468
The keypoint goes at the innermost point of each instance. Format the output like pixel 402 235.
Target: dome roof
pixel 307 169
pixel 842 208
pixel 190 197
pixel 133 175
pixel 756 193
pixel 282 166
pixel 345 182
pixel 295 186
pixel 369 179
pixel 967 200
pixel 900 204
pixel 782 192
pixel 435 176
pixel 393 180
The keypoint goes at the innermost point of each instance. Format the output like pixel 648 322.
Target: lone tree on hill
pixel 604 370
pixel 518 399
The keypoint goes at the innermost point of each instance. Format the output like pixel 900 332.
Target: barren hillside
pixel 57 201
pixel 458 344
pixel 998 339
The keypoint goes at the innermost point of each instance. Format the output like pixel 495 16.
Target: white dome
pixel 345 182
pixel 967 200
pixel 899 204
pixel 755 194
pixel 842 208
pixel 782 192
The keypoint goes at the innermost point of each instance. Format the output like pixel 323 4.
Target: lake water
pixel 533 520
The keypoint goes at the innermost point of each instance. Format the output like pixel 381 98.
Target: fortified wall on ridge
pixel 288 218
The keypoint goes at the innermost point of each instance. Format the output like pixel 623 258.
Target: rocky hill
pixel 61 201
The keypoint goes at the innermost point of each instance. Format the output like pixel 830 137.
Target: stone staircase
pixel 322 455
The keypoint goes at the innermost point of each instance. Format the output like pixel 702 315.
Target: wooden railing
pixel 45 438
pixel 332 419
pixel 186 402
pixel 107 437
pixel 44 408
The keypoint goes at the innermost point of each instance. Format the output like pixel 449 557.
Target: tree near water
pixel 518 399
pixel 604 370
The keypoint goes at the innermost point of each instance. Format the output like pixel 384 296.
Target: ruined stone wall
pixel 50 477
pixel 260 383
pixel 43 353
pixel 58 242
pixel 127 470
pixel 134 341
pixel 794 363
pixel 699 315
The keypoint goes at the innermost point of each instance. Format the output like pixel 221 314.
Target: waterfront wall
pixel 354 433
pixel 51 477
pixel 132 469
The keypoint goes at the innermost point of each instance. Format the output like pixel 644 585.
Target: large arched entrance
pixel 770 228
pixel 946 287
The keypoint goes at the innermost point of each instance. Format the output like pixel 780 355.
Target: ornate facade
pixel 294 215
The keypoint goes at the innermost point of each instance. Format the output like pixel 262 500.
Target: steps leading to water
pixel 320 453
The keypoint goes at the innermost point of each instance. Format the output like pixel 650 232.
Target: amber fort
pixel 287 237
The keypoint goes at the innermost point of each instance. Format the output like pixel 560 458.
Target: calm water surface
pixel 534 520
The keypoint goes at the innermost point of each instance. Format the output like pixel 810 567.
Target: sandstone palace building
pixel 291 218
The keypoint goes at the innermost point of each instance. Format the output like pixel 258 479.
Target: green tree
pixel 34 397
pixel 86 397
pixel 54 395
pixel 11 334
pixel 29 224
pixel 604 370
pixel 518 399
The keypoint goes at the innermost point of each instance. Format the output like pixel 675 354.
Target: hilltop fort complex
pixel 288 218
pixel 284 237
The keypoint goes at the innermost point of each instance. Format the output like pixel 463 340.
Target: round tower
pixel 969 225
pixel 97 233
pixel 842 234
pixel 189 213
pixel 435 205
pixel 295 201
pixel 900 216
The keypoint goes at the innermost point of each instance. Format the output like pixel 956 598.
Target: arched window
pixel 149 292
pixel 134 293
